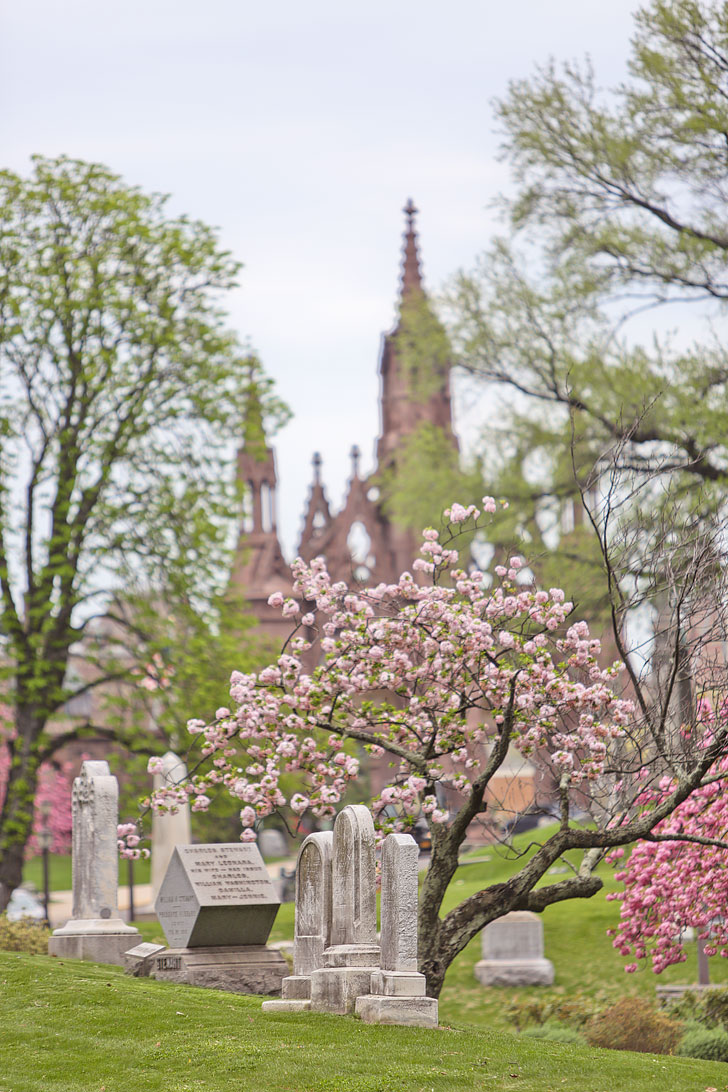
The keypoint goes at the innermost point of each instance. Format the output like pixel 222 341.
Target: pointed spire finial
pixel 411 275
pixel 355 456
pixel 317 462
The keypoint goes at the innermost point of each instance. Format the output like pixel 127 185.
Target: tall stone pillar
pixel 95 930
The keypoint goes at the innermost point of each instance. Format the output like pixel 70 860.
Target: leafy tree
pixel 121 390
pixel 620 208
pixel 442 675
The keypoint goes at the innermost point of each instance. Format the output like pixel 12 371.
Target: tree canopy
pixel 121 393
pixel 619 232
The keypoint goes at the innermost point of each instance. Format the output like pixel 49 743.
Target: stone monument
pixel 312 931
pixel 217 905
pixel 398 989
pixel 95 930
pixel 353 955
pixel 513 952
pixel 168 830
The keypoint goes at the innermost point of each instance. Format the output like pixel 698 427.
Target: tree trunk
pixel 16 818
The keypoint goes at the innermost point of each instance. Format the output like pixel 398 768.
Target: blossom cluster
pixel 670 886
pixel 431 671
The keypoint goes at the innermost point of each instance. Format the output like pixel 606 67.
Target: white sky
pixel 299 130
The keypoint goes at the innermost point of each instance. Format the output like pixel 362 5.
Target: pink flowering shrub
pixel 53 793
pixel 672 884
pixel 431 670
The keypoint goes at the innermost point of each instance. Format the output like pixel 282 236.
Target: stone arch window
pixel 266 506
pixel 359 544
pixel 248 508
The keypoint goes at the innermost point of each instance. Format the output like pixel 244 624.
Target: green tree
pixel 121 391
pixel 620 207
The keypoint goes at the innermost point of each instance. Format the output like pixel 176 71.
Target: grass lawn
pixel 77 1027
pixel 81 1027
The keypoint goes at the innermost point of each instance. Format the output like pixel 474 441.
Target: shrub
pixel 715 1007
pixel 554 1033
pixel 23 936
pixel 633 1024
pixel 708 1043
pixel 575 1011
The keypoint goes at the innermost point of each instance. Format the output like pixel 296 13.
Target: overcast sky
pixel 299 130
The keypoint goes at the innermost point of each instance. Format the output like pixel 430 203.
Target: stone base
pixel 291 1005
pixel 667 995
pixel 414 1012
pixel 335 989
pixel 345 975
pixel 249 968
pixel 297 987
pixel 99 940
pixel 398 983
pixel 515 972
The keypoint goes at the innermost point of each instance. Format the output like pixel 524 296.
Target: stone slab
pixel 416 1012
pixel 138 961
pixel 216 895
pixel 335 989
pixel 398 984
pixel 515 972
pixel 93 947
pixel 400 870
pixel 250 968
pixel 287 1005
pixel 312 931
pixel 516 936
pixel 352 955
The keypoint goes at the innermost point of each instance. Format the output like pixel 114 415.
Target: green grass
pixel 75 1027
pixel 80 1027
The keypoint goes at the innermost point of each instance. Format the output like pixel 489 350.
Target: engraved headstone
pixel 353 954
pixel 312 930
pixel 513 952
pixel 95 930
pixel 168 830
pixel 217 905
pixel 397 989
pixel 218 894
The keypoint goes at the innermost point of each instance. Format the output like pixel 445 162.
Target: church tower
pixel 360 543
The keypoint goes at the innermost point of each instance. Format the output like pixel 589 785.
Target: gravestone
pixel 95 930
pixel 513 952
pixel 217 905
pixel 397 989
pixel 168 830
pixel 272 843
pixel 312 931
pixel 353 955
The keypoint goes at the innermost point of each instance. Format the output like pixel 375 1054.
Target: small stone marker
pixel 168 830
pixel 398 990
pixel 312 931
pixel 513 952
pixel 272 843
pixel 353 954
pixel 217 905
pixel 138 961
pixel 95 930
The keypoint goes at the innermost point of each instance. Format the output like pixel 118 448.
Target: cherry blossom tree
pixel 679 877
pixel 441 674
